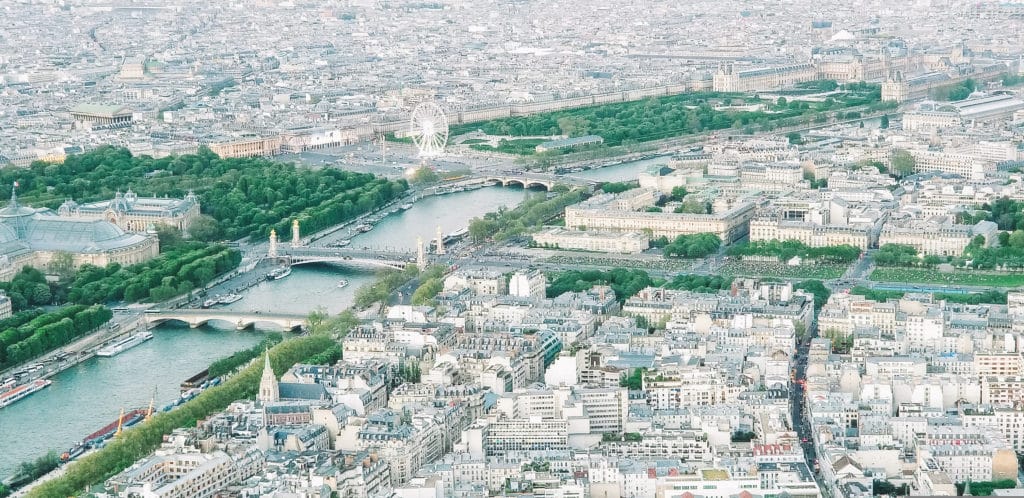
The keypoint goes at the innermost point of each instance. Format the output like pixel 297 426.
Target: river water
pixel 90 395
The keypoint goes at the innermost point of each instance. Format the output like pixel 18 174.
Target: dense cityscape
pixel 405 249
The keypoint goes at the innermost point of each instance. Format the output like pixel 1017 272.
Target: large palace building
pixel 136 214
pixel 35 237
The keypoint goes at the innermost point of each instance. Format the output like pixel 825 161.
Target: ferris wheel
pixel 428 128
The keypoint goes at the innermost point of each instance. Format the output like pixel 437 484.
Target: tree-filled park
pixel 657 118
pixel 245 197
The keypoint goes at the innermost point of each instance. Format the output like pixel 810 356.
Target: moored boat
pixel 21 392
pixel 279 273
pixel 124 420
pixel 229 298
pixel 125 344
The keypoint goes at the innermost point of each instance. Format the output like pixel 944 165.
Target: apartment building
pixel 938 236
pixel 592 240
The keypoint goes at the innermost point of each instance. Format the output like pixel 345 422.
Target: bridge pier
pixel 241 325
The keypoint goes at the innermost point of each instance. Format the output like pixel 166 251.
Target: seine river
pixel 90 395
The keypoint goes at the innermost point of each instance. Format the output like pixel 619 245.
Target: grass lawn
pixel 471 141
pixel 959 277
pixel 522 146
pixel 781 270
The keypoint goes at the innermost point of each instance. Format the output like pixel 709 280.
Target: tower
pixel 421 257
pixel 268 383
pixel 440 241
pixel 272 251
pixel 296 238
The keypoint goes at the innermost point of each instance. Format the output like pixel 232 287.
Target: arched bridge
pixel 355 257
pixel 532 180
pixel 241 320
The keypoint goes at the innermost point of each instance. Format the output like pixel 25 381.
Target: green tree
pixel 1017 239
pixel 317 320
pixel 205 228
pixel 818 289
pixel 170 237
pixel 62 264
pixel 902 163
pixel 884 123
pixel 794 138
pixel 41 295
pixel 424 175
pixel 427 291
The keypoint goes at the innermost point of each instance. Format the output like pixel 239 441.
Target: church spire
pixel 14 195
pixel 268 383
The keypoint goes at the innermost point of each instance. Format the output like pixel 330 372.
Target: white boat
pixel 209 303
pixel 125 344
pixel 342 283
pixel 407 206
pixel 20 392
pixel 230 298
pixel 279 273
pixel 365 227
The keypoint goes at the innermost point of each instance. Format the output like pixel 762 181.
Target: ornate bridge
pixel 297 253
pixel 292 255
pixel 241 320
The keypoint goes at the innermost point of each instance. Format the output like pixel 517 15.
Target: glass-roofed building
pixel 35 237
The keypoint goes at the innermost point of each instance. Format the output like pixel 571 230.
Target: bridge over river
pixel 241 320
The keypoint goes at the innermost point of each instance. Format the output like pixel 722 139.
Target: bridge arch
pixel 395 265
pixel 162 320
pixel 526 183
pixel 198 318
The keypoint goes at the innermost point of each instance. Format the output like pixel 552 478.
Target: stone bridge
pixel 532 180
pixel 240 320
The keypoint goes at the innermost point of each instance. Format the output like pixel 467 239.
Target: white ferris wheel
pixel 428 128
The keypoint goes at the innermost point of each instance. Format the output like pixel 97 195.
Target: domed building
pixel 34 237
pixel 136 214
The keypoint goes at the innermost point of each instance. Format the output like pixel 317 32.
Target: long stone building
pixel 624 213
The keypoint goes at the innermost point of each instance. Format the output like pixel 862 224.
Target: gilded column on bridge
pixel 272 251
pixel 421 257
pixel 296 238
pixel 440 241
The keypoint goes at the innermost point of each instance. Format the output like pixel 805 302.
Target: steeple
pixel 14 195
pixel 268 383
